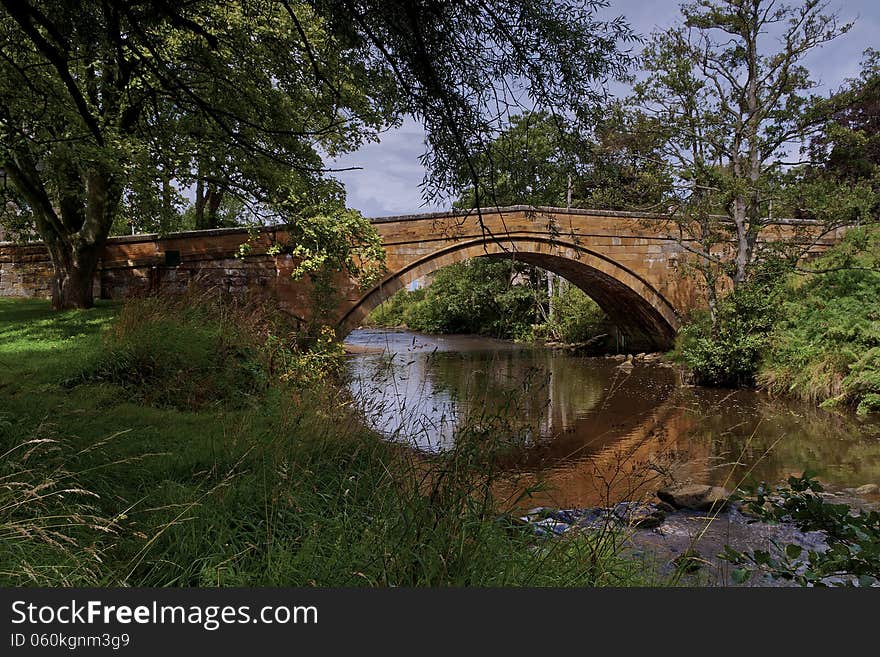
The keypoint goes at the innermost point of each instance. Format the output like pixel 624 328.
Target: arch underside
pixel 644 317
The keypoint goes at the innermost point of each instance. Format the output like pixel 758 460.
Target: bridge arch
pixel 644 316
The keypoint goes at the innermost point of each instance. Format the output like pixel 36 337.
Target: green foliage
pixel 333 241
pixel 540 157
pixel 110 110
pixel 324 241
pixel 395 312
pixel 576 317
pixel 501 299
pixel 728 352
pixel 51 531
pixel 853 553
pixel 197 351
pixel 826 344
pixel 849 147
pixel 529 163
pixel 478 296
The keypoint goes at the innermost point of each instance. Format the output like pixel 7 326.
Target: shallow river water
pixel 591 432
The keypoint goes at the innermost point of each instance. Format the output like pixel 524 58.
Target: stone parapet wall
pixel 147 264
pixel 25 271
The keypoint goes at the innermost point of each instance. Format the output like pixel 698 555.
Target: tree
pixel 729 92
pixel 849 146
pixel 105 101
pixel 841 179
pixel 109 102
pixel 542 159
pixel 531 162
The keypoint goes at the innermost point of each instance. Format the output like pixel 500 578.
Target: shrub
pixel 502 299
pixel 576 317
pixel 395 312
pixel 826 345
pixel 728 353
pixel 480 296
pixel 192 351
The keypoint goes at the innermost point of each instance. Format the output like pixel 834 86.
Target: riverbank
pixel 691 533
pixel 110 479
pixel 120 469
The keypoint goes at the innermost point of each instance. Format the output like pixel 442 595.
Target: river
pixel 590 432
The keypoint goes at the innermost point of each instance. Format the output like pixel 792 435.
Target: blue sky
pixel 390 175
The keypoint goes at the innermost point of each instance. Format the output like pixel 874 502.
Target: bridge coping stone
pixel 454 214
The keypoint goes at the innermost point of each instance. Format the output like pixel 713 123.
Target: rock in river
pixel 698 497
pixel 643 516
pixel 867 489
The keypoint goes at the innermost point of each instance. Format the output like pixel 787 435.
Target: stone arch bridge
pixel 629 263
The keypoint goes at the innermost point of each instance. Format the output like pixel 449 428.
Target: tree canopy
pixel 542 159
pixel 111 108
pixel 728 91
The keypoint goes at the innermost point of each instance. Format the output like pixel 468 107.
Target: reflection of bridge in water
pixel 587 428
pixel 590 432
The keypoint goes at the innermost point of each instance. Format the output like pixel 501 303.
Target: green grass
pixel 103 483
pixel 826 345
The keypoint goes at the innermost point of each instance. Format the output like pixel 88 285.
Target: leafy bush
pixel 395 312
pixel 576 317
pixel 502 299
pixel 193 351
pixel 481 296
pixel 826 345
pixel 729 353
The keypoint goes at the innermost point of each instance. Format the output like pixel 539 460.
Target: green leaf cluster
pixel 852 556
pixel 727 352
pixel 826 344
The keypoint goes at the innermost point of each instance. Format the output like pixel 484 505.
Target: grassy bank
pixel 812 333
pixel 825 345
pixel 160 444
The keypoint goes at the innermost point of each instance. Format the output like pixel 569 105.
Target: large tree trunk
pixel 206 211
pixel 74 274
pixel 75 234
pixel 208 199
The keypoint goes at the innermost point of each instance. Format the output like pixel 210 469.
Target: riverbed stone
pixel 643 516
pixel 697 497
pixel 564 515
pixel 551 525
pixel 867 489
pixel 592 518
pixel 666 507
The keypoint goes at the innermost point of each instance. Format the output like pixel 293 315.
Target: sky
pixel 388 181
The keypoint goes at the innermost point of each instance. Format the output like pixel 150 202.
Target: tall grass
pixel 203 349
pixel 50 528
